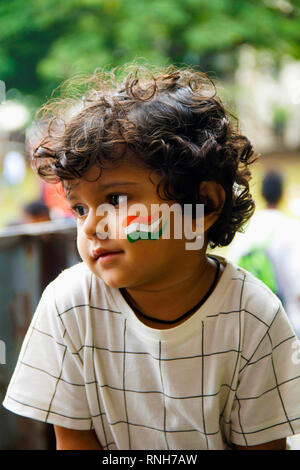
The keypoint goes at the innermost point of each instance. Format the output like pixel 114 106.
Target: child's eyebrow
pixel 117 183
pixel 70 195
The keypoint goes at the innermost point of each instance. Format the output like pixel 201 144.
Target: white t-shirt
pixel 228 374
pixel 282 234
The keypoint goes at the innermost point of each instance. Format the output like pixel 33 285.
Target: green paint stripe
pixel 135 236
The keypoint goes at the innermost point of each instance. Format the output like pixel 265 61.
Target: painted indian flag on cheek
pixel 144 228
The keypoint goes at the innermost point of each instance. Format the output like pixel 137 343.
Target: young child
pixel 147 344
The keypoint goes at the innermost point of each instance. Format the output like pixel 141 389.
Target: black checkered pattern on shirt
pixel 227 375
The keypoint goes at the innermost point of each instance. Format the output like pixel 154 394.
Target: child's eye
pixel 79 210
pixel 117 199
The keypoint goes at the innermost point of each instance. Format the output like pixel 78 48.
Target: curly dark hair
pixel 171 121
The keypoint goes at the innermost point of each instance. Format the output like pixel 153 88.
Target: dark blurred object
pixel 272 188
pixel 36 211
pixel 31 256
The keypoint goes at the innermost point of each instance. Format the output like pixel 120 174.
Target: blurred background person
pixel 35 211
pixel 32 212
pixel 270 248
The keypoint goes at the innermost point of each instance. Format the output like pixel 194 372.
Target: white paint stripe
pixel 136 227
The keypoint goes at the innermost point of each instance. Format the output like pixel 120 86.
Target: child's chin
pixel 113 281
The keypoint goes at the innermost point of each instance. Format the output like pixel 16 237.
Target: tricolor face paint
pixel 151 227
pixel 144 228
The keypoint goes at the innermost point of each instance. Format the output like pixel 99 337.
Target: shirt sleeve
pixel 267 400
pixel 48 383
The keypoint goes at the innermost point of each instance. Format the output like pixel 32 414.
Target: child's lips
pixel 101 253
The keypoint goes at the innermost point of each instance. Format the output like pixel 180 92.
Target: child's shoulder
pixel 73 275
pixel 251 294
pixel 73 286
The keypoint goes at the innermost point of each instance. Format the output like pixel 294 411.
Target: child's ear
pixel 214 194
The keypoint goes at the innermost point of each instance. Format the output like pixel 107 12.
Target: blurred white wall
pixel 268 100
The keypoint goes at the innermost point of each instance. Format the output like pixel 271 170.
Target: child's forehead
pixel 125 174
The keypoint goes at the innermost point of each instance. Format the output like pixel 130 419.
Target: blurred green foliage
pixel 43 42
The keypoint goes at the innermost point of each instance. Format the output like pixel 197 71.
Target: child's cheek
pixel 144 228
pixel 82 244
pixel 109 228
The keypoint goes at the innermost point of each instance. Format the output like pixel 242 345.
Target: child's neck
pixel 173 299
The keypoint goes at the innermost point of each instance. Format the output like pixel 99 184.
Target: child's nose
pixel 92 224
pixel 89 224
pixel 95 225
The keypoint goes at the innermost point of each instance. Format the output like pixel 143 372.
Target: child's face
pixel 144 262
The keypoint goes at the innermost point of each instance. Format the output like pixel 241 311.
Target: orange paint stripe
pixel 130 218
